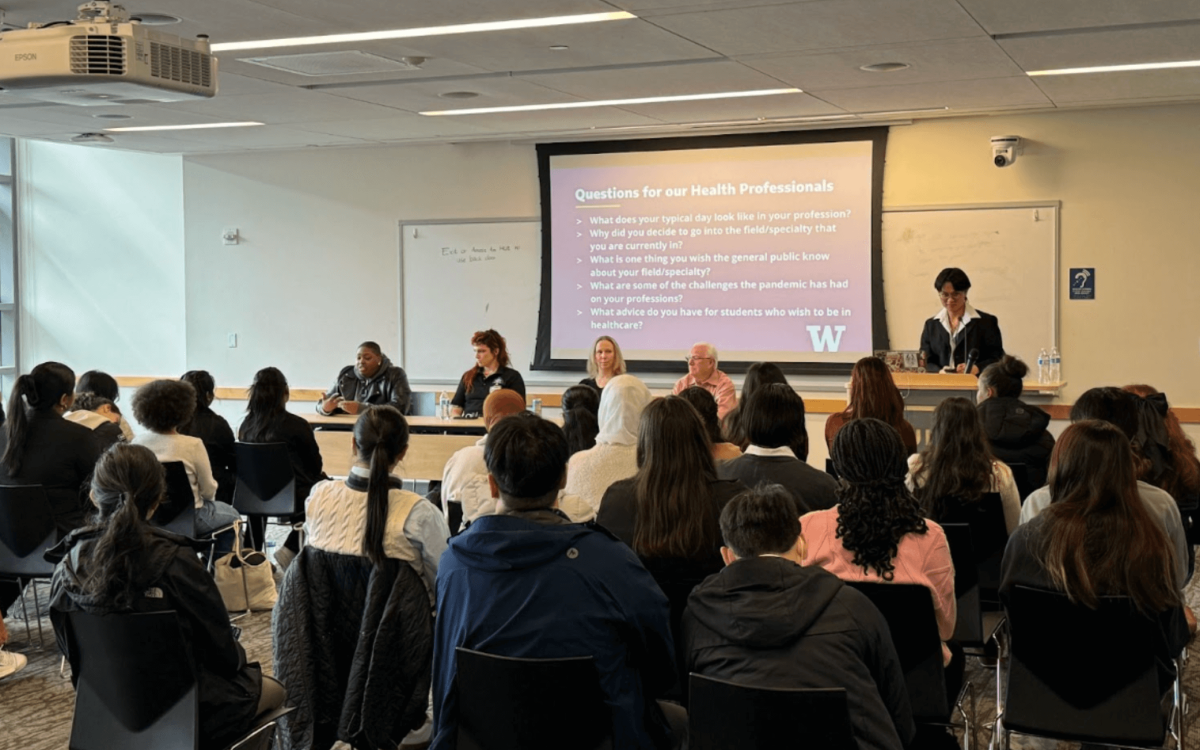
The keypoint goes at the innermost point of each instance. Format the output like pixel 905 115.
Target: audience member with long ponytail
pixel 877 531
pixel 873 394
pixel 268 421
pixel 1097 538
pixel 581 424
pixel 369 513
pixel 1179 469
pixel 213 431
pixel 40 447
pixel 120 563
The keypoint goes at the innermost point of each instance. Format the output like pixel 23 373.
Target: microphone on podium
pixel 972 359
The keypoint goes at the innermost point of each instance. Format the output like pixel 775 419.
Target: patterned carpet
pixel 36 704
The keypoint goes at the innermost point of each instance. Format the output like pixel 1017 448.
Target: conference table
pixel 431 442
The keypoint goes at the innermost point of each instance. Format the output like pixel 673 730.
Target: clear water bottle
pixel 1055 365
pixel 443 405
pixel 1043 366
pixel 270 550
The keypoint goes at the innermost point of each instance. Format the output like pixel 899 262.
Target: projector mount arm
pixel 102 11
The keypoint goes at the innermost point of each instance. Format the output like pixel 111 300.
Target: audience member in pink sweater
pixel 876 532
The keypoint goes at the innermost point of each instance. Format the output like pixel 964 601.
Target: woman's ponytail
pixel 41 390
pixel 381 434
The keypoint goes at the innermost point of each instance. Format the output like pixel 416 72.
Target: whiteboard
pixel 1010 253
pixel 458 277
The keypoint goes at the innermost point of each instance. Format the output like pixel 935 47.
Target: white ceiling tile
pixel 1105 48
pixel 432 67
pixel 422 96
pixel 660 7
pixel 139 114
pixel 557 119
pixel 271 136
pixel 401 127
pixel 1015 16
pixel 362 15
pixel 230 83
pixel 660 80
pixel 956 59
pixel 1124 87
pixel 290 107
pixel 766 107
pixel 827 24
pixel 995 93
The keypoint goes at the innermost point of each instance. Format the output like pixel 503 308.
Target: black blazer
pixel 59 455
pixel 982 333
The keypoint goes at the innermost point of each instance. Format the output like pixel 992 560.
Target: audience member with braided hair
pixel 957 467
pixel 120 563
pixel 877 531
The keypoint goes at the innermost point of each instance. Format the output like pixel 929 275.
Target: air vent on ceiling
pixel 182 65
pixel 98 54
pixel 345 63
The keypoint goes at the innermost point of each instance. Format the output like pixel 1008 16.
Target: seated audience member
pixel 490 373
pixel 757 375
pixel 877 532
pixel 1181 475
pixel 614 457
pixel 667 512
pixel 371 380
pixel 1097 538
pixel 104 385
pixel 10 663
pixel 957 469
pixel 161 406
pixel 369 513
pixel 773 418
pixel 703 372
pixel 580 414
pixel 215 433
pixel 465 478
pixel 99 415
pixel 606 363
pixel 873 394
pixel 1015 430
pixel 529 583
pixel 268 421
pixel 121 563
pixel 41 447
pixel 1120 408
pixel 706 406
pixel 766 621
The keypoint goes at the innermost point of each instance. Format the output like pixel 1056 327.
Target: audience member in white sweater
pixel 161 406
pixel 591 472
pixel 465 477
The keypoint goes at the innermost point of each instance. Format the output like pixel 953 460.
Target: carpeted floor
pixel 36 704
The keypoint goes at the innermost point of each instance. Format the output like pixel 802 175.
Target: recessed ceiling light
pixel 113 116
pixel 613 102
pixel 459 95
pixel 155 19
pixel 559 47
pixel 92 138
pixel 458 28
pixel 885 67
pixel 200 126
pixel 1116 68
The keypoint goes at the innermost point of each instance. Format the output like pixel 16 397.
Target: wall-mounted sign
pixel 1083 283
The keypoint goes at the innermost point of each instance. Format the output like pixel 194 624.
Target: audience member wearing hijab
pixel 591 472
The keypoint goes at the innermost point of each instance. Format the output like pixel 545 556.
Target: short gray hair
pixel 712 350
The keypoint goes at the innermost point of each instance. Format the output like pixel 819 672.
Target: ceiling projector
pixel 104 58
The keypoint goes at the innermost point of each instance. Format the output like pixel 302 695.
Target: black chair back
pixel 989 536
pixel 177 512
pixel 1024 484
pixel 27 530
pixel 726 716
pixel 266 484
pixel 1066 679
pixel 507 703
pixel 136 688
pixel 908 609
pixel 830 469
pixel 968 626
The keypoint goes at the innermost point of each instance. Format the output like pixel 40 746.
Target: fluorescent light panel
pixel 1116 68
pixel 612 102
pixel 458 28
pixel 199 126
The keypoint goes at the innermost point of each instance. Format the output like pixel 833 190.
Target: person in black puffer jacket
pixel 1016 430
pixel 373 379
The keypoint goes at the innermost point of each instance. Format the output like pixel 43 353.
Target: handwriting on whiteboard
pixel 477 253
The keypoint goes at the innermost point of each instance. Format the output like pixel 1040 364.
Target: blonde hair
pixel 618 358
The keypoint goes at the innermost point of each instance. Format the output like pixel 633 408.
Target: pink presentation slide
pixel 764 251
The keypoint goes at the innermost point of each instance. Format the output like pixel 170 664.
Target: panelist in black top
pixel 372 379
pixel 490 373
pixel 959 329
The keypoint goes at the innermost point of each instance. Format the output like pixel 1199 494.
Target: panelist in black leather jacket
pixel 372 379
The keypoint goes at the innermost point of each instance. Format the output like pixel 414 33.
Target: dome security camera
pixel 1004 149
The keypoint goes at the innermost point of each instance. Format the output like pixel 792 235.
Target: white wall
pixel 317 271
pixel 101 263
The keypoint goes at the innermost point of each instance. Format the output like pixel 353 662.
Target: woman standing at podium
pixel 958 329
